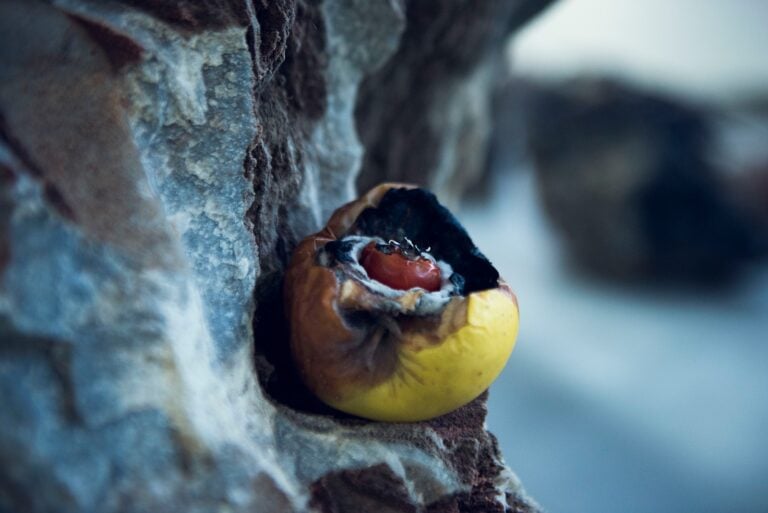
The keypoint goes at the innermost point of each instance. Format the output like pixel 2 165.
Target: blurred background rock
pixel 626 199
pixel 628 179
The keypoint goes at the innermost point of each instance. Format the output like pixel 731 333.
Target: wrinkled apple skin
pixel 437 379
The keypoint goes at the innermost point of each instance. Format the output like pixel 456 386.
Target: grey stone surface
pixel 426 116
pixel 158 161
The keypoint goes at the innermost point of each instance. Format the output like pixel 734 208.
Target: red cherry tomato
pixel 399 272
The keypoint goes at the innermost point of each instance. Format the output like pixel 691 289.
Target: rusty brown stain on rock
pixel 119 48
pixel 483 499
pixel 52 195
pixel 474 453
pixel 468 449
pixel 486 502
pixel 197 15
pixel 63 115
pixel 378 488
pixel 88 161
pixel 375 488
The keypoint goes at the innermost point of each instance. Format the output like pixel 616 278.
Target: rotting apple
pixel 385 330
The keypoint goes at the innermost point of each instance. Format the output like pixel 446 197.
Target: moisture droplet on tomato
pixel 398 271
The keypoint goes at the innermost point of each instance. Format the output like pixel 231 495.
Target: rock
pixel 626 179
pixel 750 187
pixel 742 131
pixel 425 117
pixel 158 162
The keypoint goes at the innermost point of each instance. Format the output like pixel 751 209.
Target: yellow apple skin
pixel 437 379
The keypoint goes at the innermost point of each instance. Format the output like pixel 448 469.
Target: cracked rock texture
pixel 158 162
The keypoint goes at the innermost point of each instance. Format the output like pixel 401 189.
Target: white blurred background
pixel 707 48
pixel 623 399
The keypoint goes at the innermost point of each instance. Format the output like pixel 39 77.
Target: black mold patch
pixel 340 250
pixel 417 215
